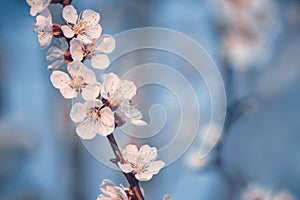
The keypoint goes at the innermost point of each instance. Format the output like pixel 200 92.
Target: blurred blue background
pixel 258 55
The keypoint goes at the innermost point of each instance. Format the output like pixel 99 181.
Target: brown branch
pixel 62 2
pixel 133 182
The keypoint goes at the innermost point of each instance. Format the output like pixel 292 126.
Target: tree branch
pixel 133 182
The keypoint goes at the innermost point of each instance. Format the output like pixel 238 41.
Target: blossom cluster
pixel 106 103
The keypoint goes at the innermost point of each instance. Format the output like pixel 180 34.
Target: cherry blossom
pixel 85 27
pixel 119 93
pixel 111 192
pixel 92 118
pixel 82 80
pixel 94 50
pixel 43 27
pixel 141 162
pixel 56 53
pixel 256 192
pixel 37 6
pixel 167 197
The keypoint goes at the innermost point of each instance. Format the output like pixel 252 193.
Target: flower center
pixel 89 50
pixel 94 113
pixel 78 83
pixel 80 28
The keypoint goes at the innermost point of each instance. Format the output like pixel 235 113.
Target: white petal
pixel 101 197
pixel 144 176
pixel 107 116
pixel 86 130
pixel 109 84
pixel 94 31
pixel 108 188
pixel 89 76
pixel 60 79
pixel 45 40
pixel 93 103
pixel 54 53
pixel 155 167
pixel 67 31
pixel 91 91
pixel 131 148
pixel 146 149
pixel 68 92
pixel 139 122
pixel 78 112
pixel 33 11
pixel 70 14
pixel 84 39
pixel 56 64
pixel 100 61
pixel 125 167
pixel 76 49
pixel 106 44
pixel 125 90
pixel 105 130
pixel 90 16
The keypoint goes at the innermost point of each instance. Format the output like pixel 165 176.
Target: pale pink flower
pixel 43 28
pixel 118 93
pixel 85 28
pixel 92 118
pixel 37 6
pixel 96 50
pixel 111 192
pixel 141 162
pixel 82 80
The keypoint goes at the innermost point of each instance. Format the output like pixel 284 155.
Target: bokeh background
pixel 255 44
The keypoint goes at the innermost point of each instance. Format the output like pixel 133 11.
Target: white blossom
pixel 256 192
pixel 119 93
pixel 56 53
pixel 95 50
pixel 43 27
pixel 141 162
pixel 85 27
pixel 92 118
pixel 193 160
pixel 284 195
pixel 111 192
pixel 82 80
pixel 167 197
pixel 37 6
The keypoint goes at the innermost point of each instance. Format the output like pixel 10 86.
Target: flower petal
pixel 67 31
pixel 124 90
pixel 76 49
pixel 90 16
pixel 109 84
pixel 93 103
pixel 56 64
pixel 100 61
pixel 69 13
pixel 144 176
pixel 68 92
pixel 60 79
pixel 107 116
pixel 86 130
pixel 105 130
pixel 155 167
pixel 84 39
pixel 94 31
pixel 126 168
pixel 106 44
pixel 78 112
pixel 91 91
pixel 139 122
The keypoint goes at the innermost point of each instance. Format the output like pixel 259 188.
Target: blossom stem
pixel 63 2
pixel 133 182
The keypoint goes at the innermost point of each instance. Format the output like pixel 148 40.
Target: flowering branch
pixel 133 182
pixel 107 104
